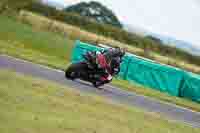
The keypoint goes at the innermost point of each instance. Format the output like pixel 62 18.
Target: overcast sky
pixel 175 18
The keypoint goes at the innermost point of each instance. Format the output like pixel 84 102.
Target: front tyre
pixel 74 70
pixel 69 73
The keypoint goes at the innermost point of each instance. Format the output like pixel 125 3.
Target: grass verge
pixel 50 49
pixel 42 47
pixel 34 105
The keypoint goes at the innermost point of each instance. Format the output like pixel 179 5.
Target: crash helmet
pixel 120 51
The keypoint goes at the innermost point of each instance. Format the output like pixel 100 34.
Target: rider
pixel 108 60
pixel 114 58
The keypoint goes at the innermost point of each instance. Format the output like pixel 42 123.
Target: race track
pixel 112 94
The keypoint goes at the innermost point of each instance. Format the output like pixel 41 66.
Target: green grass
pixel 50 49
pixel 19 36
pixel 30 105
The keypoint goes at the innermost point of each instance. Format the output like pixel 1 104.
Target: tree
pixel 95 11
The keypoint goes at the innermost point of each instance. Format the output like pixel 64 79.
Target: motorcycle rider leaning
pixel 114 58
pixel 98 67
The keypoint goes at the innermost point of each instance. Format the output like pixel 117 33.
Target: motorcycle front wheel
pixel 74 70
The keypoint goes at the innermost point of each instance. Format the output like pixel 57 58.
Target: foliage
pixel 90 25
pixel 95 11
pixel 14 4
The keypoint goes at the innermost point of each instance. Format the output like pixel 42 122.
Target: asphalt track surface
pixel 112 94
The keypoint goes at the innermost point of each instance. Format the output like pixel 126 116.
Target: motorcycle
pixel 94 69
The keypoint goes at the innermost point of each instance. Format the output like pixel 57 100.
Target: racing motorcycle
pixel 95 68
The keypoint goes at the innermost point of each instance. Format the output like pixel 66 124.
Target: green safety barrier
pixel 191 87
pixel 153 75
pixel 157 76
pixel 80 49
